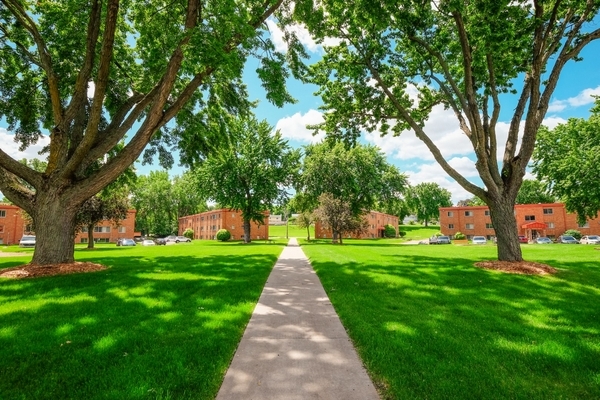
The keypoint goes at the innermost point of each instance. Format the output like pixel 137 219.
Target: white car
pixel 148 242
pixel 27 241
pixel 479 240
pixel 590 239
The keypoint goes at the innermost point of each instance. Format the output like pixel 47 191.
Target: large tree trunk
pixel 247 238
pixel 504 222
pixel 55 231
pixel 90 235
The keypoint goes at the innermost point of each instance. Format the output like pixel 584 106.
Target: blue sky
pixel 572 98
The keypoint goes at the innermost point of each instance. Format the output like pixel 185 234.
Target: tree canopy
pixel 256 168
pixel 426 198
pixel 90 73
pixel 395 62
pixel 533 192
pixel 567 158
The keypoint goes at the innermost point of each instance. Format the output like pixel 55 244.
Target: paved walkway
pixel 294 346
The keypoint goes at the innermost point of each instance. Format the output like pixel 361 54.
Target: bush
pixel 223 235
pixel 573 232
pixel 401 234
pixel 411 222
pixel 389 231
pixel 438 234
pixel 459 236
pixel 189 233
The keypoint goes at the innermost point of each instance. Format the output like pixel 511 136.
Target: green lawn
pixel 427 324
pixel 162 322
pixel 419 232
pixel 276 231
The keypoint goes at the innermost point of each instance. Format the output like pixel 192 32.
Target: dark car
pixel 160 241
pixel 523 239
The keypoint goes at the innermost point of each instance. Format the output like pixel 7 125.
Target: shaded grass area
pixel 162 322
pixel 427 324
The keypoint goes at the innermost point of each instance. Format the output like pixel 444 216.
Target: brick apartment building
pixel 206 225
pixel 377 220
pixel 13 226
pixel 533 220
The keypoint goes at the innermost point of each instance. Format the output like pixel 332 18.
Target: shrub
pixel 573 232
pixel 223 235
pixel 438 234
pixel 189 233
pixel 401 234
pixel 411 222
pixel 459 236
pixel 389 231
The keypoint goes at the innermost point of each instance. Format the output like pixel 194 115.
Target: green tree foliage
pixel 389 231
pixel 473 201
pixel 251 172
pixel 112 204
pixel 189 233
pixel 337 215
pixel 568 159
pixel 86 73
pixel 160 202
pixel 360 176
pixel 461 54
pixel 533 192
pixel 305 220
pixel 573 232
pixel 223 235
pixel 425 199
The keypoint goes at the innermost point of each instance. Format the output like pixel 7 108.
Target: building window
pixel 1 228
pixel 83 240
pixel 548 211
pixel 486 213
pixel 122 229
pixel 102 240
pixel 450 214
pixel 550 225
pixel 450 226
pixel 468 213
pixel 102 229
pixel 84 229
pixel 489 226
pixel 530 218
pixel 470 226
pixel 586 225
pixel 2 213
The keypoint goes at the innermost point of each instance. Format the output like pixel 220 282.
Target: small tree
pixel 223 235
pixel 425 199
pixel 189 233
pixel 98 208
pixel 305 220
pixel 336 214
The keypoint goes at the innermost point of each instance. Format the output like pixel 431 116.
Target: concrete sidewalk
pixel 294 346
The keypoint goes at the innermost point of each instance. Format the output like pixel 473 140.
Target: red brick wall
pixel 125 230
pixel 206 225
pixel 376 220
pixel 553 215
pixel 12 226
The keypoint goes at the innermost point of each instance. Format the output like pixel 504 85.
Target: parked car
pixel 160 241
pixel 125 242
pixel 479 240
pixel 543 240
pixel 148 242
pixel 523 239
pixel 590 239
pixel 27 241
pixel 567 239
pixel 433 240
pixel 443 240
pixel 177 239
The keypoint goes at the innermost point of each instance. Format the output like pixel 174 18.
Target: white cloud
pixel 294 127
pixel 303 36
pixel 583 98
pixel 553 121
pixel 434 173
pixel 10 147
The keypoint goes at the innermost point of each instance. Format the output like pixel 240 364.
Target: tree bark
pixel 505 225
pixel 55 230
pixel 247 238
pixel 308 233
pixel 90 234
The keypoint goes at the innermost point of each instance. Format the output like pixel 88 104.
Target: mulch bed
pixel 35 271
pixel 518 267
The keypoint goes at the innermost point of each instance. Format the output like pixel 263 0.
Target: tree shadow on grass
pixel 158 327
pixel 435 327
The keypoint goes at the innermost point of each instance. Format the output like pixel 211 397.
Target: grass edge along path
pixel 162 322
pixel 427 324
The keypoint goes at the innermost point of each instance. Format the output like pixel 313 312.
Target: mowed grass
pixel 428 325
pixel 162 322
pixel 278 231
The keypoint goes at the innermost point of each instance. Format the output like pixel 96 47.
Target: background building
pixel 13 226
pixel 377 220
pixel 206 225
pixel 533 220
